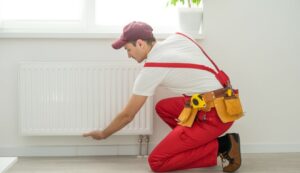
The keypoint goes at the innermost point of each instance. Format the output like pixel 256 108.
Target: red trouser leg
pixel 186 147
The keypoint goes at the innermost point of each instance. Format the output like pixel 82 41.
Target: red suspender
pixel 201 49
pixel 220 75
pixel 179 65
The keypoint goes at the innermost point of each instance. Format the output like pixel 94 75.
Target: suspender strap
pixel 220 75
pixel 203 51
pixel 179 65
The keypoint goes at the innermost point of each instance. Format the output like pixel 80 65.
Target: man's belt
pixel 204 101
pixel 211 95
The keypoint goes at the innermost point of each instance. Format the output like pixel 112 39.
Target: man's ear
pixel 140 43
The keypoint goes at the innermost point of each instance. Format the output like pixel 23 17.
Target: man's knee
pixel 154 163
pixel 160 105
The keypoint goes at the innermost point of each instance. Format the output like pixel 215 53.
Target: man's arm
pixel 122 119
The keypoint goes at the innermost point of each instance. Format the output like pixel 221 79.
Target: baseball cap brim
pixel 119 43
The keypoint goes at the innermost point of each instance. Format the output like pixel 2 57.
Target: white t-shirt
pixel 176 49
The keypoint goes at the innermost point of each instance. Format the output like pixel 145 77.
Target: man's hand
pixel 121 120
pixel 97 134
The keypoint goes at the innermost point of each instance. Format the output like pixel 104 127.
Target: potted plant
pixel 190 15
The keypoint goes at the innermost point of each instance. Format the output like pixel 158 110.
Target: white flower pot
pixel 190 19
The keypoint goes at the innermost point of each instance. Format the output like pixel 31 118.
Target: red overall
pixel 187 147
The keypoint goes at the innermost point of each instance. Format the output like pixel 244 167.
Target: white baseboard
pixel 70 150
pixel 133 149
pixel 270 148
pixel 6 163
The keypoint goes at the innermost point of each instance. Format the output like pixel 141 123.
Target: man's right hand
pixel 121 120
pixel 97 134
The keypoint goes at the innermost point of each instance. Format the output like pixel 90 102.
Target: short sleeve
pixel 148 80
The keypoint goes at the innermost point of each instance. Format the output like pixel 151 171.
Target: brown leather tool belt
pixel 225 101
pixel 211 95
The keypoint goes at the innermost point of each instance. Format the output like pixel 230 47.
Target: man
pixel 187 146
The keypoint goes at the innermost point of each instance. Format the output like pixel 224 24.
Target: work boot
pixel 233 155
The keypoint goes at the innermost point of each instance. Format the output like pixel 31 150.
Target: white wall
pixel 255 42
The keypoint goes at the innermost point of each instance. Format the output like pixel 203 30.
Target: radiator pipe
pixel 146 139
pixel 140 141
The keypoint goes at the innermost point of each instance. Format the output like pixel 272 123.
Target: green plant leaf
pixel 197 2
pixel 174 2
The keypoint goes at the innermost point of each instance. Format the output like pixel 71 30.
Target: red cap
pixel 132 32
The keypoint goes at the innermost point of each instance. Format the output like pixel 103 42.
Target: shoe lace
pixel 225 157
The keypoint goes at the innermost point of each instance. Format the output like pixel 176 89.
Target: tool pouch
pixel 187 116
pixel 229 108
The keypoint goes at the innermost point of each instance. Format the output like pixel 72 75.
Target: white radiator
pixel 63 98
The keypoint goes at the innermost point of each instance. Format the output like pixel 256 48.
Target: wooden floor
pixel 251 163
